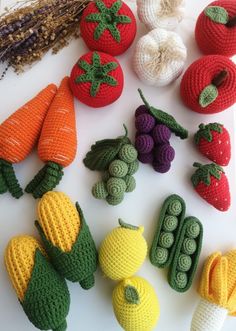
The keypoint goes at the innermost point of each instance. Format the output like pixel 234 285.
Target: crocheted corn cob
pixel 159 57
pixel 19 134
pixel 42 292
pixel 67 238
pixel 136 305
pixel 165 14
pixel 218 292
pixel 58 143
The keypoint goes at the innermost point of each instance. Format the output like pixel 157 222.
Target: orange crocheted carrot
pixel 57 144
pixel 18 135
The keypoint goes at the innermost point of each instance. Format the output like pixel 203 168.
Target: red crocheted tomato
pixel 216 28
pixel 209 84
pixel 108 26
pixel 97 79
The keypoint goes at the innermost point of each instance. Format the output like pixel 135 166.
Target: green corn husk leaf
pixel 80 263
pixel 47 299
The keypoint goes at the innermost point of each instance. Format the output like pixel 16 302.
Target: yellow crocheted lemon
pixel 136 305
pixel 123 251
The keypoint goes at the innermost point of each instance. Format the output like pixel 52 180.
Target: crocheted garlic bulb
pixel 165 14
pixel 218 292
pixel 159 57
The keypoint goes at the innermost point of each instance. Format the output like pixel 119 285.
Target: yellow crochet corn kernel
pixel 59 220
pixel 123 251
pixel 136 305
pixel 19 260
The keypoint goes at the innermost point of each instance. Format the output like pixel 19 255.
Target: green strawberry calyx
pixel 96 73
pixel 220 15
pixel 205 172
pixel 107 19
pixel 205 132
pixel 210 93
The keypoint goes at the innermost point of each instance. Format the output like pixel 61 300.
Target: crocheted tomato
pixel 97 79
pixel 108 26
pixel 216 28
pixel 209 84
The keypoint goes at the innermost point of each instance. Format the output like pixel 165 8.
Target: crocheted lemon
pixel 136 305
pixel 159 57
pixel 123 251
pixel 165 14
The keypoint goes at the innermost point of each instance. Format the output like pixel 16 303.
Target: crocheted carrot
pixel 18 135
pixel 57 143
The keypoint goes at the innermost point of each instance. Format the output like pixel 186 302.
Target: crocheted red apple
pixel 97 79
pixel 215 31
pixel 209 84
pixel 213 141
pixel 108 26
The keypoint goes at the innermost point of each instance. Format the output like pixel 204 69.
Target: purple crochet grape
pixel 146 158
pixel 144 144
pixel 161 134
pixel 144 123
pixel 161 168
pixel 141 110
pixel 164 154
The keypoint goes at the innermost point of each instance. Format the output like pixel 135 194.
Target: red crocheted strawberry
pixel 211 183
pixel 97 79
pixel 108 26
pixel 216 28
pixel 209 84
pixel 213 141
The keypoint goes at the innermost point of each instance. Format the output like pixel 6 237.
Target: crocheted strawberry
pixel 211 183
pixel 97 79
pixel 215 31
pixel 213 141
pixel 208 85
pixel 108 26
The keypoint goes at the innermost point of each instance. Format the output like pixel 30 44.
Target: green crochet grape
pixel 170 223
pixel 128 153
pixel 116 187
pixel 113 201
pixel 118 169
pixel 181 279
pixel 184 262
pixel 193 230
pixel 162 255
pixel 174 208
pixel 189 246
pixel 133 167
pixel 99 190
pixel 166 239
pixel 130 183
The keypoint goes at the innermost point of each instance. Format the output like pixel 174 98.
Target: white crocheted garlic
pixel 208 317
pixel 159 57
pixel 165 14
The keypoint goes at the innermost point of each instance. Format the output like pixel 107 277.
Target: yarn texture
pixel 202 92
pixel 164 14
pixel 67 238
pixel 217 290
pixel 215 30
pixel 42 292
pixel 159 57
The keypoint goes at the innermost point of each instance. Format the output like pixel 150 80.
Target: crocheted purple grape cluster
pixel 153 141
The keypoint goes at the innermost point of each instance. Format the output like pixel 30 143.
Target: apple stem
pixel 220 78
pixel 231 23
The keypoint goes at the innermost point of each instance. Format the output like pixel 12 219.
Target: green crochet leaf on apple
pixel 131 295
pixel 208 95
pixel 217 14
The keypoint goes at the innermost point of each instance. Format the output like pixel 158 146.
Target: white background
pixel 92 310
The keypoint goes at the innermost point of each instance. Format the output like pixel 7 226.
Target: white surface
pixel 92 310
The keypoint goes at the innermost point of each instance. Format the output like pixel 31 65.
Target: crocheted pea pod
pixel 218 292
pixel 57 144
pixel 185 261
pixel 67 239
pixel 136 305
pixel 168 231
pixel 123 251
pixel 42 292
pixel 19 134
